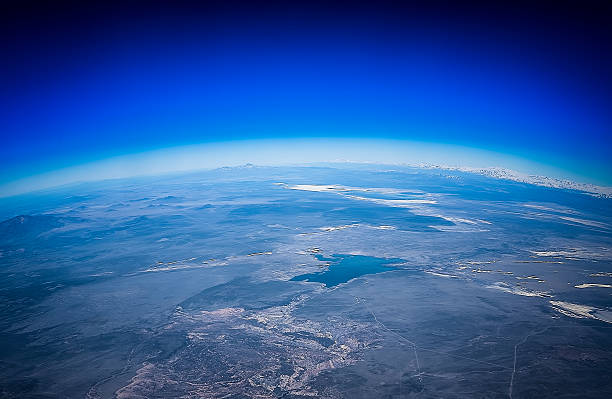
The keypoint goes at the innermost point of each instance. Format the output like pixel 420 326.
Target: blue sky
pixel 86 82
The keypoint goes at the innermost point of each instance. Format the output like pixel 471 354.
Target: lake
pixel 344 268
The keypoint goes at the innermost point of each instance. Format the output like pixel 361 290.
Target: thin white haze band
pixel 277 152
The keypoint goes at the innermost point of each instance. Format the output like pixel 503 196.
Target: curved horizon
pixel 180 75
pixel 283 152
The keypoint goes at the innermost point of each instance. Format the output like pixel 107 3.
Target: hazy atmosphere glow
pixel 276 152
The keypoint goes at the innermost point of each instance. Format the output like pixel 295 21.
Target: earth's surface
pixel 334 282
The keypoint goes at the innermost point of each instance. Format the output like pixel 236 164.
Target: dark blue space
pixel 85 81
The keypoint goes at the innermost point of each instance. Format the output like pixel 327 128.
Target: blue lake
pixel 343 268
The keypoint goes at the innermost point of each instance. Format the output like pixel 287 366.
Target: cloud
pixel 582 311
